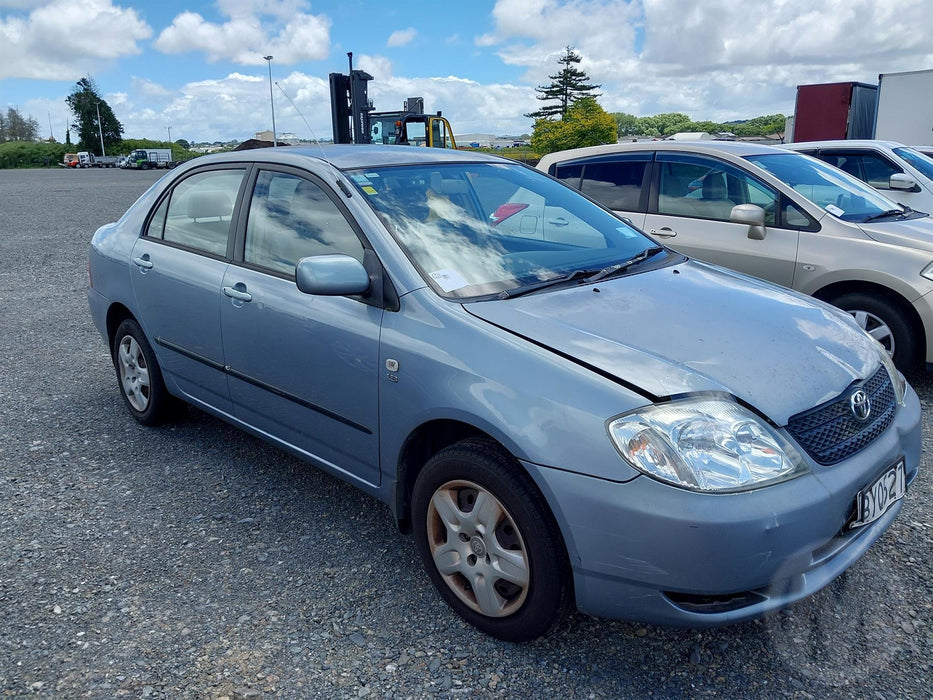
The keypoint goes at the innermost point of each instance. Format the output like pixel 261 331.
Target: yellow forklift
pixel 354 120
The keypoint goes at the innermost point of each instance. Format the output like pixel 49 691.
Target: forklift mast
pixel 354 120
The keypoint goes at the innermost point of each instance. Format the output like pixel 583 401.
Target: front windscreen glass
pixel 921 162
pixel 830 188
pixel 486 229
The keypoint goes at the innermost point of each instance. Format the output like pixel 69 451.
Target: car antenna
pixel 340 183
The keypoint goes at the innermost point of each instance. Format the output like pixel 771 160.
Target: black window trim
pixel 166 196
pixel 382 292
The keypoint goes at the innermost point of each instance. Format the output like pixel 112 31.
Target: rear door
pixel 178 266
pixel 618 181
pixel 692 198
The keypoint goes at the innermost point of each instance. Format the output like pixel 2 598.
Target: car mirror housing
pixel 753 216
pixel 331 275
pixel 902 181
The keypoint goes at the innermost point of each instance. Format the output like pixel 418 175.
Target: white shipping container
pixel 905 108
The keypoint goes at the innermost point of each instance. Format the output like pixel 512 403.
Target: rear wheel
pixel 884 322
pixel 489 542
pixel 139 376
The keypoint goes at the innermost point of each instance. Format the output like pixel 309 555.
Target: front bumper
pixel 646 551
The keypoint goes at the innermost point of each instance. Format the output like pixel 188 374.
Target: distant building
pixel 285 137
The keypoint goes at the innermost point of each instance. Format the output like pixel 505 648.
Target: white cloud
pixel 402 37
pixel 715 59
pixel 66 39
pixel 254 29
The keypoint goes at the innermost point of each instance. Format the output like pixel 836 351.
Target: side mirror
pixel 331 275
pixel 752 216
pixel 902 181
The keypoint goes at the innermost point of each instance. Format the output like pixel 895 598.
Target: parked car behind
pixel 778 215
pixel 563 413
pixel 904 174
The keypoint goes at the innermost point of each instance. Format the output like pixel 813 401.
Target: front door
pixel 302 368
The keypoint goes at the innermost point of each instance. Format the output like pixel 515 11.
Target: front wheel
pixel 139 376
pixel 490 543
pixel 884 322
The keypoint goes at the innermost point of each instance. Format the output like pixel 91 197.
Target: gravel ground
pixel 193 561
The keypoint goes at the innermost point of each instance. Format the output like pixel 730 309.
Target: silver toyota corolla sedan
pixel 561 411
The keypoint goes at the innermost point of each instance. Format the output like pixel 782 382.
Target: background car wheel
pixel 139 376
pixel 885 323
pixel 489 542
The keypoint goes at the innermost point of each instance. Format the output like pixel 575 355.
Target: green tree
pixel 626 124
pixel 85 101
pixel 584 124
pixel 567 86
pixel 15 127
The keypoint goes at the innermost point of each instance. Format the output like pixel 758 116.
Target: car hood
pixel 912 233
pixel 697 328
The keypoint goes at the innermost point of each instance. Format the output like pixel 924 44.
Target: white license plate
pixel 874 501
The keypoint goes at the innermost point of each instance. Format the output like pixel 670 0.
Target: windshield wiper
pixel 623 266
pixel 528 288
pixel 884 214
pixel 587 275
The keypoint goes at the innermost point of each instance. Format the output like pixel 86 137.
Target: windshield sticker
pixel 369 189
pixel 626 232
pixel 360 179
pixel 834 210
pixel 449 280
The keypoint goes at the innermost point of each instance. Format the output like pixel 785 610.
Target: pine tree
pixel 85 102
pixel 566 87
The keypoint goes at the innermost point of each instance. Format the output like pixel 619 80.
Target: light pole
pixel 271 101
pixel 100 130
pixel 169 133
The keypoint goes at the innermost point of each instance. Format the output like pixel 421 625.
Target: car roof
pixel 846 143
pixel 349 156
pixel 739 149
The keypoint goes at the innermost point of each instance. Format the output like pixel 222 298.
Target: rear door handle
pixel 558 222
pixel 663 232
pixel 143 262
pixel 238 294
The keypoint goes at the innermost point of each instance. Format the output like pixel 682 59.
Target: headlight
pixel 897 379
pixel 709 444
pixel 927 272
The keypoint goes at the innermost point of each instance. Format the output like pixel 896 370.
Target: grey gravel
pixel 193 561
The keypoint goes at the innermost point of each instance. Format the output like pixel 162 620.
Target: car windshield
pixel 921 162
pixel 487 229
pixel 830 188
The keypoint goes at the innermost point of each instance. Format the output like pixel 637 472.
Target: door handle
pixel 663 232
pixel 237 294
pixel 558 222
pixel 143 262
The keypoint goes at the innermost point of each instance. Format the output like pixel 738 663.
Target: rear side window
pixel 200 211
pixel 616 185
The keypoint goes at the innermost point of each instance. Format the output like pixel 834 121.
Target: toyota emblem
pixel 860 405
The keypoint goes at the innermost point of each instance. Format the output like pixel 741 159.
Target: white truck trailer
pixel 905 108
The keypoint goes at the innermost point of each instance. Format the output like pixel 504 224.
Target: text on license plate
pixel 873 501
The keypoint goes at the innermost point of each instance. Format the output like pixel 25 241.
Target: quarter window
pixel 291 218
pixel 200 211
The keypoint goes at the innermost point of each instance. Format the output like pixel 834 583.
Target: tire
pixel 886 323
pixel 490 543
pixel 139 376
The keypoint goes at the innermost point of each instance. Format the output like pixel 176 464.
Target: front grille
pixel 830 432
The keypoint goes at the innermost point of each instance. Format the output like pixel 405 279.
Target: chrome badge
pixel 860 405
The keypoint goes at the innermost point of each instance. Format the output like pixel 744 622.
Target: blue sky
pixel 197 66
